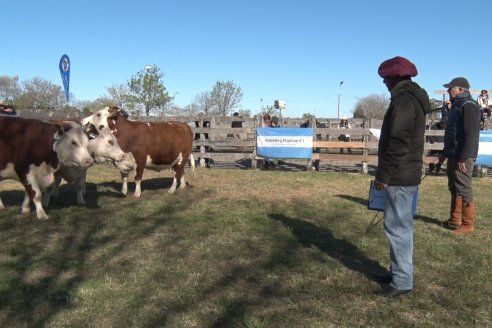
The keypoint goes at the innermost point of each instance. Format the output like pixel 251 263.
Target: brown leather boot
pixel 455 214
pixel 468 223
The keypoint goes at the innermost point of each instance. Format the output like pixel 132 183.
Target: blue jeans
pixel 398 226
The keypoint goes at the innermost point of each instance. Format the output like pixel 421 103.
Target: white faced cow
pixel 155 146
pixel 31 151
pixel 103 147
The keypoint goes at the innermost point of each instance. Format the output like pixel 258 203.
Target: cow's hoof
pixel 25 211
pixel 46 217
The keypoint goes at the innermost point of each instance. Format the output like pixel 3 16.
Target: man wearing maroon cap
pixel 401 146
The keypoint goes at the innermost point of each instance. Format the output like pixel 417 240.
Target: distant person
pixel 7 110
pixel 400 152
pixel 344 124
pixel 274 122
pixel 485 105
pixel 266 121
pixel 461 150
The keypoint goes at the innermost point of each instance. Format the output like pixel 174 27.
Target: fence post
pixel 365 167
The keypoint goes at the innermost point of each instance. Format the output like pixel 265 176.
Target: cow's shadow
pixel 67 196
pixel 153 184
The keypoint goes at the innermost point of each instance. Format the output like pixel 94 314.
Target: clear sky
pixel 296 50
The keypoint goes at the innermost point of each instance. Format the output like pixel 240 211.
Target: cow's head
pixel 103 146
pixel 71 144
pixel 106 117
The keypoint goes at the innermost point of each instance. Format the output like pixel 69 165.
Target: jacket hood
pixel 413 88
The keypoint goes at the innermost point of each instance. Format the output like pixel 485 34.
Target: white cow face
pixel 99 119
pixel 71 146
pixel 103 145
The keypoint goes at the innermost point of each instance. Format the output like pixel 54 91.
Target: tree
pixel 203 103
pixel 9 89
pixel 268 109
pixel 225 98
pixel 118 95
pixel 147 92
pixel 373 106
pixel 41 95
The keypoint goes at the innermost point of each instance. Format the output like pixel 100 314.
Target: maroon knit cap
pixel 397 66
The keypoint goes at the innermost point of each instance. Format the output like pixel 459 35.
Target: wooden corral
pixel 217 140
pixel 233 138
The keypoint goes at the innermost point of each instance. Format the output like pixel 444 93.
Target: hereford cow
pixel 155 146
pixel 103 147
pixel 32 151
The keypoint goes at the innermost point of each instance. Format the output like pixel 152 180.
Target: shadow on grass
pixel 146 184
pixel 354 199
pixel 309 234
pixel 427 219
pixel 44 262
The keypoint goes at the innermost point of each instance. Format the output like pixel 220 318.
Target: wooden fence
pixel 217 140
pixel 233 138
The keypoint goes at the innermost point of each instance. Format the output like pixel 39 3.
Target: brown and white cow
pixel 103 147
pixel 31 151
pixel 154 146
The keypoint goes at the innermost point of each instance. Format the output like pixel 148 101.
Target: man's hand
pixel 462 166
pixel 379 185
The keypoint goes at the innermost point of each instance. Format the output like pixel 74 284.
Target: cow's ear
pixel 60 130
pixel 93 132
pixel 124 112
pixel 113 112
pixel 90 131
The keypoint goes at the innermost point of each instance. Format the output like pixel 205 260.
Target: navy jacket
pixel 463 128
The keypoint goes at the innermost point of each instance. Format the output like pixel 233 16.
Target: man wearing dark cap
pixel 461 149
pixel 400 151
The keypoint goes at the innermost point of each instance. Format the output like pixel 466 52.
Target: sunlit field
pixel 237 248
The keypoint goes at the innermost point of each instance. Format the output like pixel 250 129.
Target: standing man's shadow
pixel 342 250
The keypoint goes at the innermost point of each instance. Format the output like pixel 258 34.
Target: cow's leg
pixel 54 191
pixel 80 187
pixel 84 177
pixel 138 176
pixel 124 181
pixel 25 209
pixel 182 184
pixel 2 207
pixel 56 186
pixel 138 189
pixel 33 191
pixel 40 213
pixel 174 185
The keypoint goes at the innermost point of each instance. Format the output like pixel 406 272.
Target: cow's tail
pixel 192 163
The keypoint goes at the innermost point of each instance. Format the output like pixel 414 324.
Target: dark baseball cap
pixel 460 82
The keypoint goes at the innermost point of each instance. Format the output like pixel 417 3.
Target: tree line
pixel 145 94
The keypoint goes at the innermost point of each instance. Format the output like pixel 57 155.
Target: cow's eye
pixel 98 115
pixel 111 142
pixel 74 143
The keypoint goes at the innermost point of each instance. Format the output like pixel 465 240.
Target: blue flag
pixel 65 74
pixel 285 142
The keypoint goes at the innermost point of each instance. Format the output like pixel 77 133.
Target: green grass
pixel 236 249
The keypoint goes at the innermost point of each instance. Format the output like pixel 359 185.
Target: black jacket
pixel 401 144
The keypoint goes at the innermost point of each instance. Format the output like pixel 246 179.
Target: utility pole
pixel 339 98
